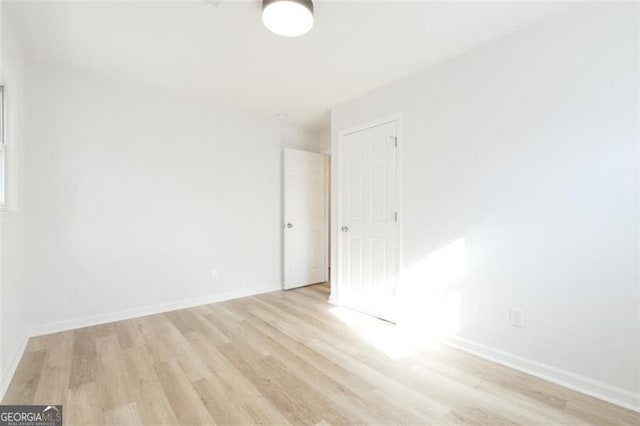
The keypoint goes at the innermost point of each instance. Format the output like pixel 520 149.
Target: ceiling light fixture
pixel 289 18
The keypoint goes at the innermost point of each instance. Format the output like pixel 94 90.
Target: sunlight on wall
pixel 437 271
pixel 428 304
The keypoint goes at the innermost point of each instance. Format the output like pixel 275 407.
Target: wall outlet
pixel 214 274
pixel 516 318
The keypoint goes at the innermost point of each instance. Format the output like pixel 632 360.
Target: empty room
pixel 319 212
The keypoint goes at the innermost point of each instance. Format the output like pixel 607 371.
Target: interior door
pixel 369 229
pixel 305 213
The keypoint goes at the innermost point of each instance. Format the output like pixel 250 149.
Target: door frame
pixel 336 205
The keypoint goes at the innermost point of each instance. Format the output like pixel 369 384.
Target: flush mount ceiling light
pixel 289 18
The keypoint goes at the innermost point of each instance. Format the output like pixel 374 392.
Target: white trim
pixel 8 374
pixel 549 373
pixel 327 216
pixel 336 177
pixel 373 123
pixel 399 209
pixel 71 324
pixel 4 147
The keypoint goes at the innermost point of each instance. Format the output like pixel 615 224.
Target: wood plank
pixel 83 357
pixel 185 402
pixel 124 415
pixel 54 378
pixel 25 382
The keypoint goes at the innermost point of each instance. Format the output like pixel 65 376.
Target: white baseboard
pixel 333 301
pixel 71 324
pixel 555 375
pixel 7 375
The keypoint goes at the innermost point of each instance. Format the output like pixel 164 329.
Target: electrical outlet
pixel 214 274
pixel 516 318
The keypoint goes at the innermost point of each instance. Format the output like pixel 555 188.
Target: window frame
pixel 3 148
pixel 2 118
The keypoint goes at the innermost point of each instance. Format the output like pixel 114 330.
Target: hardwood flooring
pixel 280 358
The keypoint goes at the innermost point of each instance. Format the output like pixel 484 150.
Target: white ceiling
pixel 224 53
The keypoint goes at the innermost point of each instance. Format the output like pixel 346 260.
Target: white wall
pixel 525 152
pixel 322 140
pixel 134 197
pixel 12 297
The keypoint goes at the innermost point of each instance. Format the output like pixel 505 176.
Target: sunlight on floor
pixel 427 305
pixel 384 336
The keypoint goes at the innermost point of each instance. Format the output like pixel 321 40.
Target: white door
pixel 368 227
pixel 305 213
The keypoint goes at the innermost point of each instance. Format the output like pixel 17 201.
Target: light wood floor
pixel 278 358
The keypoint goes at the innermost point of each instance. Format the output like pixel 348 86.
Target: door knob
pixel 345 229
pixel 289 225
